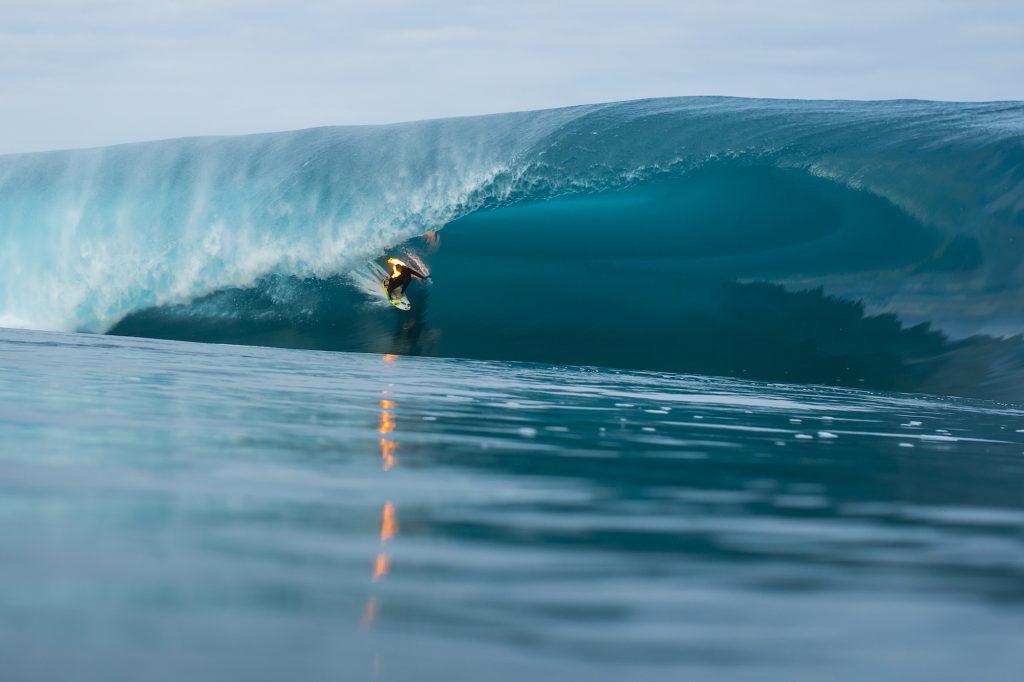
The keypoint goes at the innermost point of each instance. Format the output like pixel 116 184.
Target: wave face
pixel 869 244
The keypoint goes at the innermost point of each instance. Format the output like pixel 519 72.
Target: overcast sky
pixel 90 72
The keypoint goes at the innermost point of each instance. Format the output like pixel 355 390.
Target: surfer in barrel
pixel 401 275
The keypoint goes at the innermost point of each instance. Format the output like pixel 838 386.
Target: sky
pixel 79 73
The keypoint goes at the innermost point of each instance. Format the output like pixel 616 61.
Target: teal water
pixel 870 245
pixel 174 511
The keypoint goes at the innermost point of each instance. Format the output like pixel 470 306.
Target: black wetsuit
pixel 401 280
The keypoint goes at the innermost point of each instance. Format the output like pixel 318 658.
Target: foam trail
pixel 365 279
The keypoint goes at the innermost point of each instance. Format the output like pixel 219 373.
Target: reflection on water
pixel 370 612
pixel 214 512
pixel 387 424
pixel 381 566
pixel 388 515
pixel 388 522
pixel 387 453
pixel 388 446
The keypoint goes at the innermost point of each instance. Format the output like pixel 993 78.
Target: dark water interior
pixel 678 273
pixel 186 511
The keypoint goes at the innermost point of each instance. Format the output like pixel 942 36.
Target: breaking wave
pixel 872 244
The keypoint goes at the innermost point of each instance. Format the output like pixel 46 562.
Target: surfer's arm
pixel 415 274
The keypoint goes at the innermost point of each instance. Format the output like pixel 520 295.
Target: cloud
pixel 79 73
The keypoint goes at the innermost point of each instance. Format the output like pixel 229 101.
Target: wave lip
pixel 94 234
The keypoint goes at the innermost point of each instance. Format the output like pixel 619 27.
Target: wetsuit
pixel 401 275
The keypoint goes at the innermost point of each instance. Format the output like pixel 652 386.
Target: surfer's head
pixel 395 265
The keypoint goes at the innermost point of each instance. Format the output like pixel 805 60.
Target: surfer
pixel 401 275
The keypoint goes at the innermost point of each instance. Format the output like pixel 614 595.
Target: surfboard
pixel 402 303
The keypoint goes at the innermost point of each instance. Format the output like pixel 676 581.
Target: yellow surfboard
pixel 401 303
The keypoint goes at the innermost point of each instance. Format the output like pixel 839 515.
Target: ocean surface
pixel 187 511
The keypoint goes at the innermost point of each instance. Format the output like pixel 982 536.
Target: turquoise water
pixel 863 244
pixel 203 511
pixel 172 510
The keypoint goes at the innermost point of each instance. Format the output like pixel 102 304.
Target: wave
pixel 873 244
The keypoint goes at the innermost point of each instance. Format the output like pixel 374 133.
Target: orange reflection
pixel 387 422
pixel 370 612
pixel 390 357
pixel 387 453
pixel 389 516
pixel 388 522
pixel 433 239
pixel 387 425
pixel 381 566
